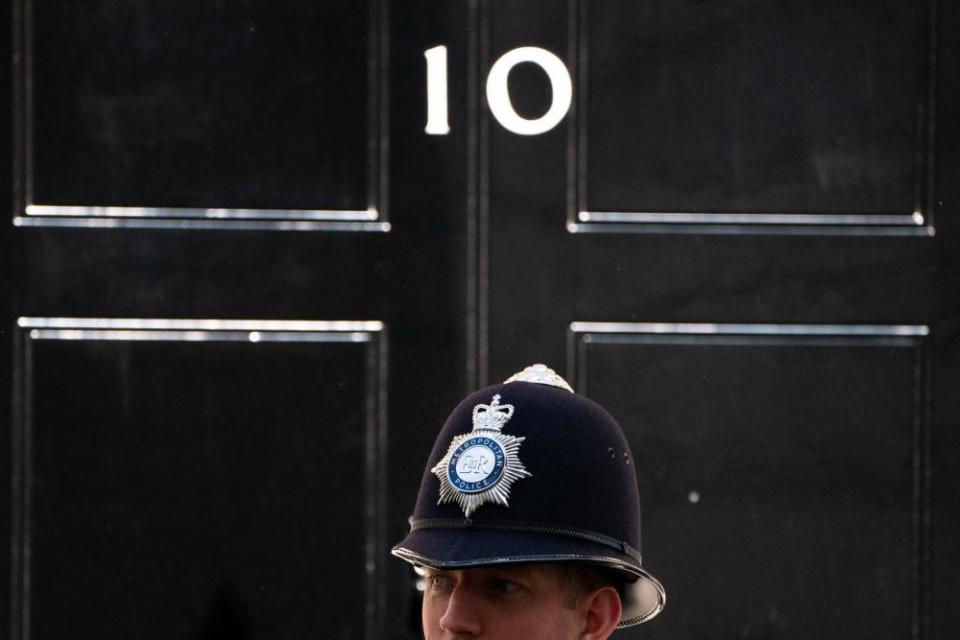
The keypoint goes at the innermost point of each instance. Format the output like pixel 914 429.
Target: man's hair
pixel 580 579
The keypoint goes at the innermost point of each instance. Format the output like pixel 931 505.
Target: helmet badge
pixel 482 465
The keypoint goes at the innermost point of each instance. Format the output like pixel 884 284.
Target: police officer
pixel 527 524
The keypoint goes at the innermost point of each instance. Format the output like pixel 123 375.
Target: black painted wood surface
pixel 788 384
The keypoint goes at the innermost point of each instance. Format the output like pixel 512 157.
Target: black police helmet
pixel 529 471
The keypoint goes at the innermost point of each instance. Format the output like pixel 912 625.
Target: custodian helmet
pixel 529 471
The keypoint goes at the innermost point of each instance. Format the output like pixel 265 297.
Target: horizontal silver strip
pixel 680 328
pixel 196 224
pixel 743 340
pixel 202 214
pixel 830 219
pixel 751 229
pixel 186 324
pixel 196 336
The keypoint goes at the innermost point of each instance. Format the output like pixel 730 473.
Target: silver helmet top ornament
pixel 540 374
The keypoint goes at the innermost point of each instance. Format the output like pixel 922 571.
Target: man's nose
pixel 462 616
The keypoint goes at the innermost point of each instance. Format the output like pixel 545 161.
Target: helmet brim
pixel 644 596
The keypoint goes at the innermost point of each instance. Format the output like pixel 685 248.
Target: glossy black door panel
pixel 271 107
pixel 789 459
pixel 179 480
pixel 753 107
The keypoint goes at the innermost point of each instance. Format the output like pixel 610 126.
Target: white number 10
pixel 498 93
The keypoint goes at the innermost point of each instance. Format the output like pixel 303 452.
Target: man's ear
pixel 601 610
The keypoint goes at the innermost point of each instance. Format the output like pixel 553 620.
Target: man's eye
pixel 504 587
pixel 438 583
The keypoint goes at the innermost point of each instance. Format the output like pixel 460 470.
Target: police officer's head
pixel 530 472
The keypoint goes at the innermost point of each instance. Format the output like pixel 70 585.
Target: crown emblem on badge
pixel 492 416
pixel 481 466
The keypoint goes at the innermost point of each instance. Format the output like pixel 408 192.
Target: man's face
pixel 531 602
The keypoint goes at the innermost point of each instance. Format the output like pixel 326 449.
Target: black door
pixel 244 285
